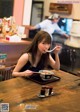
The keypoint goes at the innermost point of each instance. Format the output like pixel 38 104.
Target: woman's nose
pixel 47 46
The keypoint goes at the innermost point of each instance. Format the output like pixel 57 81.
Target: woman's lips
pixel 44 51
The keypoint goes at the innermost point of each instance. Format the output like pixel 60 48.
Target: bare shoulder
pixel 21 62
pixel 24 57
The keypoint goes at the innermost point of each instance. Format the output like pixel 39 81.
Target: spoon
pixel 37 72
pixel 44 71
pixel 51 49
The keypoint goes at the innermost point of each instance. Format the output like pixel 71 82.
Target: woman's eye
pixel 43 42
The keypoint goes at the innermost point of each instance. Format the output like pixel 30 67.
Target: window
pixel 37 12
pixel 65 24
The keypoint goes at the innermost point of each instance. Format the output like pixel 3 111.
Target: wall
pixel 22 11
pixel 18 11
pixel 75 9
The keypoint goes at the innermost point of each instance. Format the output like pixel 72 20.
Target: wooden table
pixel 22 95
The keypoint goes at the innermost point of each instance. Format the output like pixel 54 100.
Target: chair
pixel 6 73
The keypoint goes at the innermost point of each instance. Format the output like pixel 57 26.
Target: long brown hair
pixel 39 37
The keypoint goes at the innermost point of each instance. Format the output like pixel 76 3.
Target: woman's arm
pixel 21 62
pixel 55 63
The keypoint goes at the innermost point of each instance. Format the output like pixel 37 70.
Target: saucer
pixel 43 96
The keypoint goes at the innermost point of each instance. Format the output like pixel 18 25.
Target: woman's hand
pixel 58 49
pixel 28 73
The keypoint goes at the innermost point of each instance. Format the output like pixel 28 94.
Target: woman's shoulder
pixel 23 59
pixel 27 56
pixel 24 56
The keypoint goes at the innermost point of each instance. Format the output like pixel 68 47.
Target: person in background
pixel 36 57
pixel 49 25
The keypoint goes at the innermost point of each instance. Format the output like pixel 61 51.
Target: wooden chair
pixel 6 73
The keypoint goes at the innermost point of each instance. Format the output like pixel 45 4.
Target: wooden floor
pixel 22 95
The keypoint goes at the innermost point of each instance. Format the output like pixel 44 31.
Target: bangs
pixel 45 37
pixel 47 40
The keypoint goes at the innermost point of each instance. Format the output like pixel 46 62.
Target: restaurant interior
pixel 59 91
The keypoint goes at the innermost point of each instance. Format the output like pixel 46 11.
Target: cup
pixel 46 74
pixel 46 91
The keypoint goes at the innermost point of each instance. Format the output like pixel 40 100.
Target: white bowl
pixel 46 74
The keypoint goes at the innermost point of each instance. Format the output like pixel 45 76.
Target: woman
pixel 37 58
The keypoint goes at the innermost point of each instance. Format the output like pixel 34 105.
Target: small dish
pixel 43 96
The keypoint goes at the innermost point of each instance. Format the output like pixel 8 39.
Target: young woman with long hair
pixel 36 57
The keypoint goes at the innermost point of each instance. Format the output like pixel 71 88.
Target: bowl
pixel 46 74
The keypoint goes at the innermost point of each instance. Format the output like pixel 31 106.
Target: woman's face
pixel 43 47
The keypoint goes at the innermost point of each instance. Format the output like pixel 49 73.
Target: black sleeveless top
pixel 28 66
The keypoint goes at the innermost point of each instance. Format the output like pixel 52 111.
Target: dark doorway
pixel 36 16
pixel 6 8
pixel 37 12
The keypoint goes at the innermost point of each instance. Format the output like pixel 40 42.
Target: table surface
pixel 22 95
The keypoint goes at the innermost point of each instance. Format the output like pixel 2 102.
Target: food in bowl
pixel 46 74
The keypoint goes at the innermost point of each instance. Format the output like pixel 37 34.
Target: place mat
pixel 36 78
